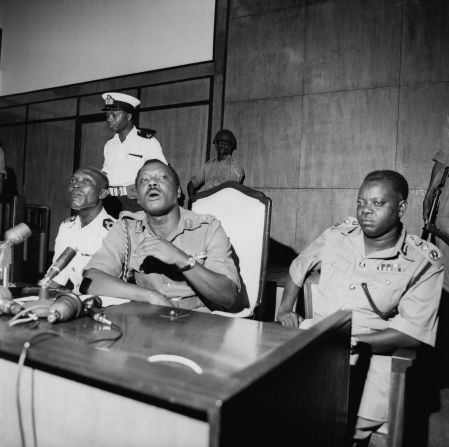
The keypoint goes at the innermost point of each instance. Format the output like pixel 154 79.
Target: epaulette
pixel 69 219
pixel 108 223
pixel 146 133
pixel 348 222
pixel 129 215
pixel 425 248
pixel 206 218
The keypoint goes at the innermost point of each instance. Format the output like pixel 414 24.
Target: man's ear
pixel 103 194
pixel 178 188
pixel 402 207
pixel 129 116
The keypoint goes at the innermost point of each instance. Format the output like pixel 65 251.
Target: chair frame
pixel 266 201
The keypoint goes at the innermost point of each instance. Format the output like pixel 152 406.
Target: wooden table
pixel 261 384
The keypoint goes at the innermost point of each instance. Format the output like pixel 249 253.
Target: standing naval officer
pixel 127 150
pixel 87 189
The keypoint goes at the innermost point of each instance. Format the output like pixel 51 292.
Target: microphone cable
pixel 23 355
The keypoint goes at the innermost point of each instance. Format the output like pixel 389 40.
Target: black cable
pixel 21 363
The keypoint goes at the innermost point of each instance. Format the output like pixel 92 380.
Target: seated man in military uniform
pixel 87 189
pixel 175 257
pixel 390 280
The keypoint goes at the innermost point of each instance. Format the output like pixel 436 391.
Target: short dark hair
pixel 396 180
pixel 156 160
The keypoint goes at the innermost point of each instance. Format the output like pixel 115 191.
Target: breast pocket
pixel 386 290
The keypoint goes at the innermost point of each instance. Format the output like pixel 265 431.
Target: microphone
pixel 16 235
pixel 67 306
pixel 60 264
pixel 7 304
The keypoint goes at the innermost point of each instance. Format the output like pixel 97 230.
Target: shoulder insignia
pixel 188 223
pixel 423 247
pixel 347 222
pixel 108 223
pixel 207 218
pixel 146 133
pixel 69 219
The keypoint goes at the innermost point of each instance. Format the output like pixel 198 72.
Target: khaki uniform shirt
pixel 122 161
pixel 200 236
pixel 408 277
pixel 215 172
pixel 86 239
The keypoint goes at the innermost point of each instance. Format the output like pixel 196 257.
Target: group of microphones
pixel 66 306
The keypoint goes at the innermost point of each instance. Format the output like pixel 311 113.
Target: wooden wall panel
pixel 182 133
pixel 265 55
pixel 49 165
pixel 412 219
pixel 175 93
pixel 13 144
pixel 314 215
pixel 268 136
pixel 52 109
pixel 283 216
pixel 248 7
pixel 93 137
pixel 425 47
pixel 352 44
pixel 11 115
pixel 346 135
pixel 93 104
pixel 423 110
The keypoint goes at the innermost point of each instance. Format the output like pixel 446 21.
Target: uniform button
pixel 387 282
pixel 362 264
pixel 351 287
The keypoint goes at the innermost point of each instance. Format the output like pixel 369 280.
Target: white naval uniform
pixel 87 240
pixel 123 160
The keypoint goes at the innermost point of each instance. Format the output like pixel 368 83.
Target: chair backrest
pixel 245 215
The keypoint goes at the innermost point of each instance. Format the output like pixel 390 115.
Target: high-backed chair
pixel 245 215
pixel 402 360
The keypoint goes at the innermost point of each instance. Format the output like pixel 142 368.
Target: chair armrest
pixel 402 360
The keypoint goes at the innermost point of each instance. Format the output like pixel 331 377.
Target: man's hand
pixel 290 319
pixel 163 250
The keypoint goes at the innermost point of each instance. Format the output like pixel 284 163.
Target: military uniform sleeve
pixel 110 257
pixel 418 308
pixel 199 177
pixel 309 259
pixel 218 248
pixel 237 174
pixel 442 155
pixel 63 276
pixel 153 149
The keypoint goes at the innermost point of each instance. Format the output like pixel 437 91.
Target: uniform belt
pixel 118 190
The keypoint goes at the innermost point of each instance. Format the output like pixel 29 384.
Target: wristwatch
pixel 190 263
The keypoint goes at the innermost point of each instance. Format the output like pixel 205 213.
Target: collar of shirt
pixel 95 225
pixel 356 238
pixel 132 133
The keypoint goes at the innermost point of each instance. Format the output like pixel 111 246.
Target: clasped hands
pixel 290 319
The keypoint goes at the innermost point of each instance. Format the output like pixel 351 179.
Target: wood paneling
pixel 176 93
pixel 12 115
pixel 249 7
pixel 314 215
pixel 268 136
pixel 49 165
pixel 344 203
pixel 423 110
pixel 13 144
pixel 265 55
pixel 352 44
pixel 182 133
pixel 113 84
pixel 93 138
pixel 412 219
pixel 346 135
pixel 283 215
pixel 425 46
pixel 52 109
pixel 93 104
